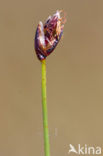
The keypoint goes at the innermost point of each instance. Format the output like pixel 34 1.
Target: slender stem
pixel 44 110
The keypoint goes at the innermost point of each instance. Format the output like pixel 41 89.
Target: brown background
pixel 74 78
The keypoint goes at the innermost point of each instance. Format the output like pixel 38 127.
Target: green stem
pixel 44 109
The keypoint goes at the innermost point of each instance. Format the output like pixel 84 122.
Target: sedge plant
pixel 47 37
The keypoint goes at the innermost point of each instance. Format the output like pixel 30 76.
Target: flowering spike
pixel 48 35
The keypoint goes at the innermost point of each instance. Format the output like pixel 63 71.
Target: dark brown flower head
pixel 48 35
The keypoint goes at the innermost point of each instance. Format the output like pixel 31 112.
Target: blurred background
pixel 74 78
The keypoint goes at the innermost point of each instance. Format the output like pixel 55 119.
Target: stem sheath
pixel 44 110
